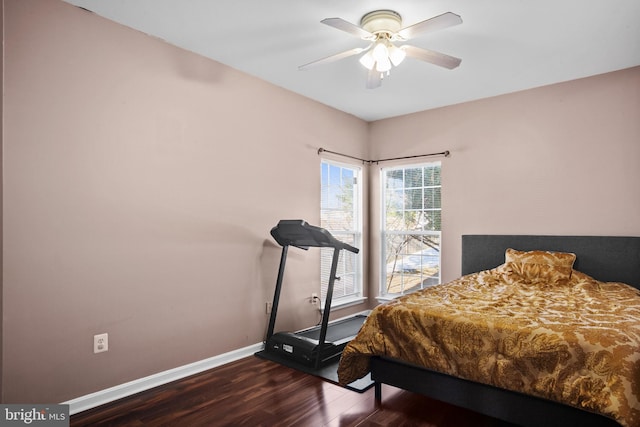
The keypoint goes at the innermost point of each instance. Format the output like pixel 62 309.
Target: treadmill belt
pixel 336 331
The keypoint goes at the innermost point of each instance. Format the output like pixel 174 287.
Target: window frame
pixel 354 237
pixel 425 280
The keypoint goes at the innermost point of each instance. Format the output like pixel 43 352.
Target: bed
pixel 606 259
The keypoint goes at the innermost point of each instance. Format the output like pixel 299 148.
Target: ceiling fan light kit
pixel 383 28
pixel 383 25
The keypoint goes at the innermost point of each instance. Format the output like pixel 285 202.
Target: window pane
pixel 432 221
pixel 347 175
pixel 413 177
pixel 431 176
pixel 395 178
pixel 413 198
pixel 432 198
pixel 413 220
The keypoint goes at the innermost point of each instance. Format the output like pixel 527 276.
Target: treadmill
pixel 320 345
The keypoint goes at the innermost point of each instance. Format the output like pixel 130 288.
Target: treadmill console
pixel 298 233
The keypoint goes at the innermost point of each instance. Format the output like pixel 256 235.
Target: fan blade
pixel 332 58
pixel 348 27
pixel 432 57
pixel 436 23
pixel 374 79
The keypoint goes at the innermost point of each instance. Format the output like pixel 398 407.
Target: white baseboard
pixel 101 397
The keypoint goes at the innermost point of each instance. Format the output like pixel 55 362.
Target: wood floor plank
pixel 257 392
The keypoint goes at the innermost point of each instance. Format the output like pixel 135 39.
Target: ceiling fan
pixel 382 28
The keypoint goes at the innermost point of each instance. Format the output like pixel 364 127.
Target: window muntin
pixel 411 228
pixel 341 215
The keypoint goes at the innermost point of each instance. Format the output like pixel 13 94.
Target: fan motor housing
pixel 387 21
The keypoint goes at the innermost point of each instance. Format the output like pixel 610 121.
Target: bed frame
pixel 615 259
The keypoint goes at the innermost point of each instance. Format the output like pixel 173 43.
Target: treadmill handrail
pixel 298 233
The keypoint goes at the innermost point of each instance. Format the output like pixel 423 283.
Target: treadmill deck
pixel 337 331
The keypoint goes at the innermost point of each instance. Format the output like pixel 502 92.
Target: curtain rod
pixel 444 153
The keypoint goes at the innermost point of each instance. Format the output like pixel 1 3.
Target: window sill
pixel 385 299
pixel 347 302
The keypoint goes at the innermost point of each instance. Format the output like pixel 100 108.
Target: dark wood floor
pixel 258 392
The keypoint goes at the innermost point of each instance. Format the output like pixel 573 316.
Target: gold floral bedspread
pixel 577 342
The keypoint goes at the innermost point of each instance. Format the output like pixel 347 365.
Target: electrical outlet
pixel 269 306
pixel 100 343
pixel 314 299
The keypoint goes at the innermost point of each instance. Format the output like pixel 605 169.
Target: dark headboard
pixel 608 259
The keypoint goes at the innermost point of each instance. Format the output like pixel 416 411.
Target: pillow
pixel 540 267
pixel 559 259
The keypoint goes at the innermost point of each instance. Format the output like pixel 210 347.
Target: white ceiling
pixel 505 45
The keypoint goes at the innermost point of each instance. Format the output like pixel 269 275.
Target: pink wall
pixel 141 181
pixel 140 185
pixel 562 159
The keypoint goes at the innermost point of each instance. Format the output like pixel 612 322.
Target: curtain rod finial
pixel 447 153
pixel 320 150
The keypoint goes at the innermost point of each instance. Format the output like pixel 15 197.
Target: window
pixel 340 214
pixel 411 216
